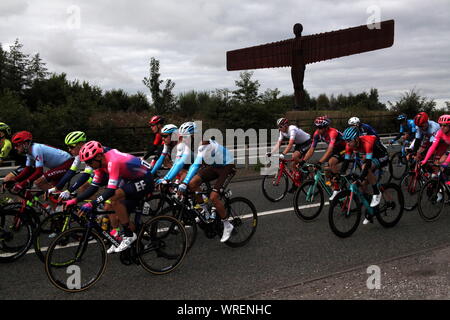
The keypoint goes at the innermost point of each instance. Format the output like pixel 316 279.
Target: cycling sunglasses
pixel 71 146
pixel 444 125
pixel 165 136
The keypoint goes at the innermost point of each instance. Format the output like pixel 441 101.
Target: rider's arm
pixel 160 161
pixel 276 146
pixel 193 169
pixel 183 153
pixel 433 147
pixel 289 146
pixel 69 174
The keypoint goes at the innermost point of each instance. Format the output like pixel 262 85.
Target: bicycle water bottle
pixel 105 223
pixel 212 216
pixel 146 209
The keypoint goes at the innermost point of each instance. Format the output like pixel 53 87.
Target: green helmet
pixel 5 128
pixel 75 137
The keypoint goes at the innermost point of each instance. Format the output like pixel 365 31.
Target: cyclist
pixel 169 137
pixel 185 155
pixel 441 143
pixel 426 130
pixel 335 151
pixel 129 178
pixel 39 156
pixel 295 135
pixel 375 158
pixel 407 129
pixel 364 128
pixel 155 147
pixel 74 141
pixel 219 164
pixel 8 152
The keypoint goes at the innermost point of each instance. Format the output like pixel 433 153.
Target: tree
pixel 411 103
pixel 163 100
pixel 15 76
pixel 323 103
pixel 247 91
pixel 36 69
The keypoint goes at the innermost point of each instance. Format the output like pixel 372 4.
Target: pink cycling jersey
pixel 121 166
pixel 440 138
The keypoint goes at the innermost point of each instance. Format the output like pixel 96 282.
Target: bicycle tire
pixel 282 187
pixel 411 186
pixel 155 231
pixel 187 220
pixel 429 200
pixel 54 267
pixel 10 230
pixel 339 211
pixel 300 207
pixel 391 194
pixel 241 233
pixel 394 161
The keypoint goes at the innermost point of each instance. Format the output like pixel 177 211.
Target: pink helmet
pixel 444 119
pixel 90 150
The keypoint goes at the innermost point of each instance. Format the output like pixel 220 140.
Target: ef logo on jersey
pixel 140 186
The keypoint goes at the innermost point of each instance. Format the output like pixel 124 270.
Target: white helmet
pixel 187 129
pixel 169 129
pixel 354 121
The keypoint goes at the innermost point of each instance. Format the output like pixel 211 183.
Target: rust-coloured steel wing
pixel 317 47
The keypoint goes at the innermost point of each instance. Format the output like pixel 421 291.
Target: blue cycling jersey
pixel 367 130
pixel 410 127
pixel 41 155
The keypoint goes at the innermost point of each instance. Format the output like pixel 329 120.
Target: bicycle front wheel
pixel 243 216
pixel 161 245
pixel 344 214
pixel 74 265
pixel 398 166
pixel 411 186
pixel 308 201
pixel 274 187
pixel 16 235
pixel 432 198
pixel 390 209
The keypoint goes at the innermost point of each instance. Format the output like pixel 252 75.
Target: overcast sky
pixel 110 43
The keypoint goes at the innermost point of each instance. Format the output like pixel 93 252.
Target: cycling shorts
pixel 139 188
pixel 210 173
pixel 303 147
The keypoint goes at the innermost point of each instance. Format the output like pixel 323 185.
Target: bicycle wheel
pixel 48 229
pixel 308 201
pixel 73 265
pixel 411 186
pixel 344 214
pixel 243 216
pixel 432 198
pixel 274 191
pixel 161 244
pixel 398 166
pixel 188 221
pixel 390 209
pixel 16 235
pixel 153 205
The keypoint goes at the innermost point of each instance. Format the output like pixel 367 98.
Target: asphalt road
pixel 284 251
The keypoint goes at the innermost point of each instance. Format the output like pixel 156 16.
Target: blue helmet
pixel 351 133
pixel 169 128
pixel 401 117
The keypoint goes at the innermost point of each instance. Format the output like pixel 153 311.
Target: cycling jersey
pixel 368 145
pixel 212 154
pixel 408 128
pixel 85 176
pixel 121 167
pixel 155 147
pixel 183 159
pixel 441 139
pixel 367 130
pixel 332 137
pixel 428 134
pixel 41 155
pixel 294 133
pixel 5 149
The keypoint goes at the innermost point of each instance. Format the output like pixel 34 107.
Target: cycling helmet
pixel 5 128
pixel 21 136
pixel 282 122
pixel 444 119
pixel 75 137
pixel 354 121
pixel 187 128
pixel 322 122
pixel 401 117
pixel 420 119
pixel 156 120
pixel 351 133
pixel 169 129
pixel 90 150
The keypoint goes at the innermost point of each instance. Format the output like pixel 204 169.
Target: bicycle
pixel 433 196
pixel 412 183
pixel 345 212
pixel 309 198
pixel 160 248
pixel 239 210
pixel 398 163
pixel 275 187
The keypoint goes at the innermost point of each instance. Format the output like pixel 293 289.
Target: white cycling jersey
pixel 298 135
pixel 429 133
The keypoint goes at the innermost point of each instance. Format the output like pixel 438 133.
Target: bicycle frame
pixel 290 173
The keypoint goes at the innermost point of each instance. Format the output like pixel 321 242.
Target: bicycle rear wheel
pixel 73 265
pixel 344 214
pixel 308 201
pixel 390 209
pixel 398 166
pixel 432 198
pixel 187 219
pixel 243 216
pixel 16 235
pixel 411 186
pixel 161 245
pixel 273 189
